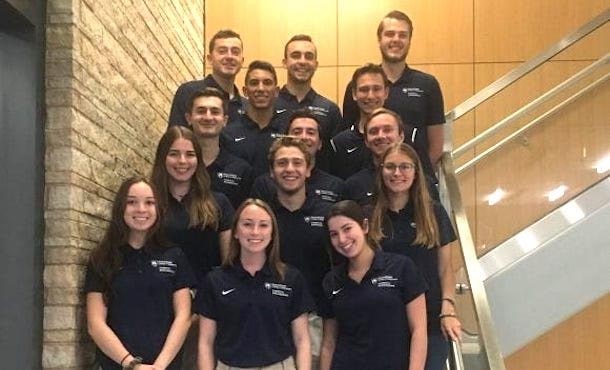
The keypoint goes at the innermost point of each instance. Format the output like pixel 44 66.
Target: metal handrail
pixel 531 124
pixel 489 340
pixel 512 76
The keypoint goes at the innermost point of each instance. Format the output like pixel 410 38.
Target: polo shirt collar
pixel 376 265
pixel 404 75
pixel 211 82
pixel 309 97
pixel 243 274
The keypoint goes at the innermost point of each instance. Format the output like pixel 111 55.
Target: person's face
pixel 307 130
pixel 398 173
pixel 347 236
pixel 227 57
pixel 261 89
pixel 300 61
pixel 254 229
pixel 395 40
pixel 181 161
pixel 207 118
pixel 289 169
pixel 381 133
pixel 370 92
pixel 140 209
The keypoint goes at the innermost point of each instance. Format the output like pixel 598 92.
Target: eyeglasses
pixel 402 167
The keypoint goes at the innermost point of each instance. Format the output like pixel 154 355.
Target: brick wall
pixel 111 70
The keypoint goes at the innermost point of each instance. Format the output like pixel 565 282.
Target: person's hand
pixel 451 328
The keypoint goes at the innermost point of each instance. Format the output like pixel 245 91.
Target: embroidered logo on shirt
pixel 315 221
pixel 384 281
pixel 369 194
pixel 414 92
pixel 238 139
pixel 327 195
pixel 318 111
pixel 228 291
pixel 229 178
pixel 280 290
pixel 278 111
pixel 351 150
pixel 335 292
pixel 164 266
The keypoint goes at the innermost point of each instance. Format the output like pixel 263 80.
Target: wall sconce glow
pixel 556 193
pixel 496 196
pixel 527 241
pixel 603 165
pixel 572 212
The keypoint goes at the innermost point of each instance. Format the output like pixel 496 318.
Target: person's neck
pixel 262 117
pixel 298 89
pixel 294 201
pixel 359 265
pixel 393 69
pixel 137 239
pixel 252 262
pixel 227 84
pixel 396 202
pixel 178 190
pixel 210 148
pixel 363 118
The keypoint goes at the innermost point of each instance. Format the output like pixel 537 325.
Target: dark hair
pixel 273 249
pixel 288 141
pixel 398 15
pixel 369 68
pixel 350 209
pixel 208 92
pixel 202 208
pixel 380 111
pixel 296 38
pixel 426 227
pixel 223 34
pixel 259 64
pixel 106 258
pixel 302 113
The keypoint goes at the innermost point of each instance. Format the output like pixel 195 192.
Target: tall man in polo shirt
pixel 369 92
pixel 252 134
pixel 301 62
pixel 301 220
pixel 416 96
pixel 304 124
pixel 226 58
pixel 206 115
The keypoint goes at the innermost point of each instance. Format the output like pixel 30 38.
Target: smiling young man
pixel 301 220
pixel 301 62
pixel 304 124
pixel 226 58
pixel 251 135
pixel 414 95
pixel 206 115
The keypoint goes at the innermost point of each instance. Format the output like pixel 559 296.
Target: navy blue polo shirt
pixel 304 240
pixel 231 176
pixel 140 301
pixel 349 153
pixel 361 186
pixel 320 184
pixel 253 314
pixel 237 105
pixel 373 329
pixel 399 229
pixel 244 139
pixel 200 246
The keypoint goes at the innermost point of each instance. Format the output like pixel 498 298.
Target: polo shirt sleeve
pixel 413 282
pixel 325 307
pixel 351 113
pixel 302 301
pixel 435 114
pixel 185 277
pixel 178 108
pixel 445 228
pixel 226 212
pixel 93 281
pixel 263 188
pixel 205 301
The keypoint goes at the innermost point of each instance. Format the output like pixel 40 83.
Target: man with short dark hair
pixel 225 55
pixel 251 135
pixel 416 96
pixel 206 115
pixel 301 62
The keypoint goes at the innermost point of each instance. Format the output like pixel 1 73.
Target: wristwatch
pixel 132 364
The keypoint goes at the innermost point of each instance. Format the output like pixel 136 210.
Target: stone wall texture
pixel 111 70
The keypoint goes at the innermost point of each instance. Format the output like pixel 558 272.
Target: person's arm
pixel 329 339
pixel 436 137
pixel 416 314
pixel 207 335
pixel 450 325
pixel 177 332
pixel 224 239
pixel 302 343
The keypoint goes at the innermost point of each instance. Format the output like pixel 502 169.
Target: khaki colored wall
pixel 111 70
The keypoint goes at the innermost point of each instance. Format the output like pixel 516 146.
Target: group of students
pixel 283 264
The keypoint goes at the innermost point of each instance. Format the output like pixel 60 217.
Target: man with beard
pixel 416 96
pixel 251 135
pixel 226 58
pixel 301 62
pixel 300 221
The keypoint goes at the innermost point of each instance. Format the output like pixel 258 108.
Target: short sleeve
pixel 93 281
pixel 302 301
pixel 226 212
pixel 263 188
pixel 185 277
pixel 325 306
pixel 205 300
pixel 178 108
pixel 445 228
pixel 436 110
pixel 413 282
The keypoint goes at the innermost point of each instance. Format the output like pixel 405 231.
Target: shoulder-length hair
pixel 273 249
pixel 426 227
pixel 352 210
pixel 106 258
pixel 202 208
